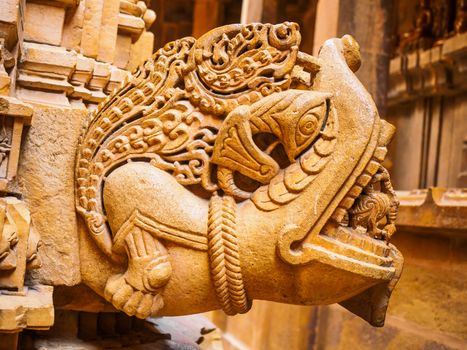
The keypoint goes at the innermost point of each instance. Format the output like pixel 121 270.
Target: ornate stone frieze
pixel 234 167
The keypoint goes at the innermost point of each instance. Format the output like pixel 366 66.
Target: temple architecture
pixel 239 175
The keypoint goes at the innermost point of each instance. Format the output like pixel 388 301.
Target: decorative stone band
pixel 224 256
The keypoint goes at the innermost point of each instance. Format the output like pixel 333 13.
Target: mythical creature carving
pixel 223 171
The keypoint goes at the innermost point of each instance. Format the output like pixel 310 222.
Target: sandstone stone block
pixel 91 27
pixel 73 28
pixel 141 50
pixel 108 32
pixel 10 22
pixel 123 51
pixel 34 310
pixel 45 178
pixel 130 25
pixel 43 23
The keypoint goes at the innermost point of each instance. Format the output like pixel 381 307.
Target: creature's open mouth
pixel 356 237
pixel 353 229
pixel 354 245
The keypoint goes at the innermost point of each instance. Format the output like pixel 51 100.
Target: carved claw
pixel 135 292
pixel 130 300
pixel 388 231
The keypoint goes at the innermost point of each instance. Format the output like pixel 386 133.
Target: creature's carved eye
pixel 308 123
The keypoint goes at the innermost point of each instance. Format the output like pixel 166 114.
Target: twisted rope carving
pixel 224 257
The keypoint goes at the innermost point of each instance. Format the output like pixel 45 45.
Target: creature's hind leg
pixel 145 208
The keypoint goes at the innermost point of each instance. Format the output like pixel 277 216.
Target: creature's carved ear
pixel 236 150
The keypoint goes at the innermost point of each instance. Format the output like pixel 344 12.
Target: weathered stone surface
pixel 34 310
pixel 43 31
pixel 91 27
pixel 73 28
pixel 10 106
pixel 108 32
pixel 122 51
pixel 141 50
pixel 45 178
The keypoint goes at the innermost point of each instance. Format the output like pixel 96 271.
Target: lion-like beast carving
pixel 230 168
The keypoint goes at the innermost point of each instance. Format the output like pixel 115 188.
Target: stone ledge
pixel 433 210
pixel 131 25
pixel 34 310
pixel 12 107
pixel 50 70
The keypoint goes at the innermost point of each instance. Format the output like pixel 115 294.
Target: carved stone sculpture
pixel 235 167
pixel 19 243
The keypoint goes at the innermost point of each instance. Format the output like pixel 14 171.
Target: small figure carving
pixel 19 244
pixel 5 145
pixel 33 260
pixel 374 205
pixel 7 60
pixel 8 240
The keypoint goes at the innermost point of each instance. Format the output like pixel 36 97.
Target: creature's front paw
pixel 149 267
pixel 388 231
pixel 130 300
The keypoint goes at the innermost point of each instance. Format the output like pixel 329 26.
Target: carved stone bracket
pixel 234 167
